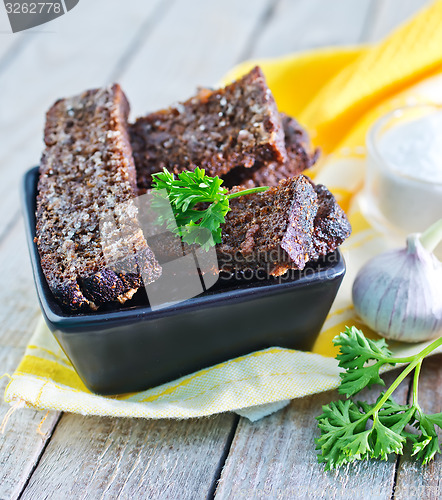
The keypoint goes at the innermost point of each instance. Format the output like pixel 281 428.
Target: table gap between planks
pixel 160 50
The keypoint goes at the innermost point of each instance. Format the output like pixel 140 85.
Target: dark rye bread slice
pixel 216 130
pixel 282 228
pixel 91 246
pixel 300 157
pixel 331 226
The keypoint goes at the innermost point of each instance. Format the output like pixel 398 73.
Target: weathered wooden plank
pixel 195 44
pixel 275 458
pixel 388 14
pixel 415 481
pixel 132 458
pixel 296 26
pixel 55 64
pixel 91 457
pixel 19 307
pixel 20 444
pixel 80 52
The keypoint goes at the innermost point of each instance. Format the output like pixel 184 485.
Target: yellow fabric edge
pixel 329 101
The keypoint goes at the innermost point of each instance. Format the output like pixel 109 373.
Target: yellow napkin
pixel 336 94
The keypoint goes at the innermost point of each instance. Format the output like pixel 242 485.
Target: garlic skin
pixel 399 293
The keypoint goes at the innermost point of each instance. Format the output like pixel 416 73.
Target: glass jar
pixel 403 183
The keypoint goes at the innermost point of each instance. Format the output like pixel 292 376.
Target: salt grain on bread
pixel 87 176
pixel 282 228
pixel 300 157
pixel 216 130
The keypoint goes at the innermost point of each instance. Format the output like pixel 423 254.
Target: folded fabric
pixel 337 94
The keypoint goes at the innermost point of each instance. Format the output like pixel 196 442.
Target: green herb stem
pixel 199 204
pixel 416 383
pixel 416 360
pixel 344 434
pixel 409 359
pixel 396 361
pixel 432 236
pixel 394 385
pixel 247 191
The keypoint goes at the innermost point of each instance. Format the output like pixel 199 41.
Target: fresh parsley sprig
pixel 353 430
pixel 199 204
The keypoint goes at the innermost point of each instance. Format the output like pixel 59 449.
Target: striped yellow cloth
pixel 337 94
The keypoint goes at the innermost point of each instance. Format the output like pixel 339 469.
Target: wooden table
pixel 160 50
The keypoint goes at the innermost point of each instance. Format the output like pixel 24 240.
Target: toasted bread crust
pixel 282 228
pixel 86 173
pixel 300 157
pixel 215 130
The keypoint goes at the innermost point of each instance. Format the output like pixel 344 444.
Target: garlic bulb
pixel 399 293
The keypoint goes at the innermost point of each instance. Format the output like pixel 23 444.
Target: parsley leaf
pixel 385 441
pixel 347 435
pixel 199 204
pixel 426 445
pixel 360 430
pixel 355 351
pixel 353 381
pixel 343 434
